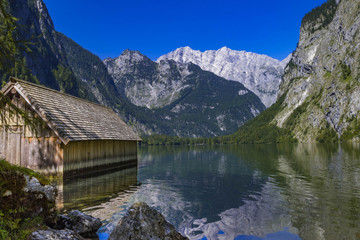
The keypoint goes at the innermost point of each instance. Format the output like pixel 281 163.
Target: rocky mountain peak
pixel 259 73
pixel 224 49
pixel 127 60
pixel 134 56
pixel 183 89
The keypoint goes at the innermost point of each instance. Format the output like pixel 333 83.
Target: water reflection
pixel 92 192
pixel 208 180
pixel 305 191
pixel 323 190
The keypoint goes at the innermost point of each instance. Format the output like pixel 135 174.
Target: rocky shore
pixel 28 211
pixel 75 225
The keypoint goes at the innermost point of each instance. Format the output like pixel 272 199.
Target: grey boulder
pixel 144 223
pixel 81 223
pixel 53 234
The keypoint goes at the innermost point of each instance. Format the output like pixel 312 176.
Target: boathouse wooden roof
pixel 72 118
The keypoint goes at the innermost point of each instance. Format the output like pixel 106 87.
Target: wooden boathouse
pixel 66 134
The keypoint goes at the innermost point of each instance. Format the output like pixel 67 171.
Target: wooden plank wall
pixel 42 154
pixel 82 155
pixel 35 147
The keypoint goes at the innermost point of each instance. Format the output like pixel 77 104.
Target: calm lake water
pixel 243 192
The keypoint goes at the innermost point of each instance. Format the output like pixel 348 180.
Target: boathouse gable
pixel 69 134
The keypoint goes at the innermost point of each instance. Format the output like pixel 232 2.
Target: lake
pixel 242 192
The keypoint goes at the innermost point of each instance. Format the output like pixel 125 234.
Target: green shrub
pixel 327 134
pixel 17 217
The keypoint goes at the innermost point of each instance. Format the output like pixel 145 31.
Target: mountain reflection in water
pixel 301 191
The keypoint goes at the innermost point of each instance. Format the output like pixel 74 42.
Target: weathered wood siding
pixel 35 146
pixel 43 154
pixel 98 154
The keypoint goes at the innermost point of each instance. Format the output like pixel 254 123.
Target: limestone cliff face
pixel 320 89
pixel 261 74
pixel 147 83
pixel 191 101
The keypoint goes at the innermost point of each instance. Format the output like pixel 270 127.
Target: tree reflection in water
pixel 306 191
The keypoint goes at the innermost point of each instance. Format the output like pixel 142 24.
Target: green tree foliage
pixel 66 79
pixel 345 71
pixel 8 44
pixel 257 130
pixel 261 129
pixel 327 135
pixel 174 140
pixel 21 71
pixel 10 60
pixel 320 17
pixel 16 208
pixel 12 47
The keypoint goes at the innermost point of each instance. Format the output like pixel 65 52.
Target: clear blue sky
pixel 156 27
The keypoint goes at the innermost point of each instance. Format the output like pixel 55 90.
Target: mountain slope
pixel 188 96
pixel 144 82
pixel 319 98
pixel 60 63
pixel 259 73
pixel 55 59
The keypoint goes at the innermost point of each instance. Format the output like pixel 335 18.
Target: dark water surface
pixel 243 192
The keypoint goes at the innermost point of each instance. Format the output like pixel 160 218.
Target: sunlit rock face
pixel 187 100
pixel 259 73
pixel 146 83
pixel 320 87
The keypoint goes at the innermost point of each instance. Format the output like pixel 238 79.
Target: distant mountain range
pixel 261 74
pixel 169 96
pixel 205 105
pixel 188 95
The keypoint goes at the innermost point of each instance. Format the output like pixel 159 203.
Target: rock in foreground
pixel 81 223
pixel 142 223
pixel 52 234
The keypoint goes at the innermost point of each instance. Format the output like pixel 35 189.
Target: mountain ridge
pixel 180 90
pixel 258 72
pixel 60 63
